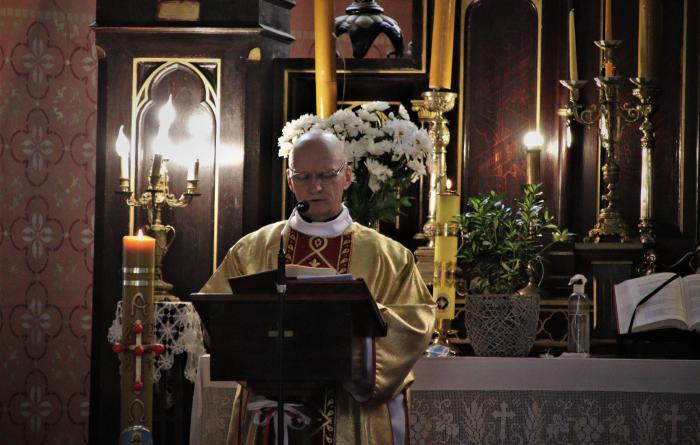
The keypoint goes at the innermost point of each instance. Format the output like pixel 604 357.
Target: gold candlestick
pixel 646 93
pixel 437 102
pixel 426 119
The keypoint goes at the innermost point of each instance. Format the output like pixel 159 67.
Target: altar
pixel 475 400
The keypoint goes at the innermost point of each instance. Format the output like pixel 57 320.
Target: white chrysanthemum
pixel 367 116
pixel 430 164
pixel 292 130
pixel 285 148
pixel 423 142
pixel 403 113
pixel 376 168
pixel 357 149
pixel 418 169
pixel 374 183
pixel 375 106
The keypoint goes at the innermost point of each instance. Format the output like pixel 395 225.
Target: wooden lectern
pixel 325 325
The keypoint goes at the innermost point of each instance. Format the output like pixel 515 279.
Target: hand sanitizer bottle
pixel 579 318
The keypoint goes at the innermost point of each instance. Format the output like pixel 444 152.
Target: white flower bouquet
pixel 387 152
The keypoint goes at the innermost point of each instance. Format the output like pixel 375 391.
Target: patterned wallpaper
pixel 47 179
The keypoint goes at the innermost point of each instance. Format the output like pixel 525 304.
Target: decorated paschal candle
pixel 447 208
pixel 137 348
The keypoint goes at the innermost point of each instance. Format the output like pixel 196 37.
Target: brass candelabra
pixel 610 117
pixel 154 200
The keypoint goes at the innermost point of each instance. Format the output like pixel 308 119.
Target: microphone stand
pixel 281 287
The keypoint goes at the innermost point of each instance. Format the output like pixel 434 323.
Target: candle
pixel 326 86
pixel 155 169
pixel 123 148
pixel 608 35
pixel 645 201
pixel 646 49
pixel 138 319
pixel 447 208
pixel 573 64
pixel 608 32
pixel 533 142
pixel 139 251
pixel 193 171
pixel 442 44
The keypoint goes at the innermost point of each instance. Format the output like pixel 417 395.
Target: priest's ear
pixel 347 177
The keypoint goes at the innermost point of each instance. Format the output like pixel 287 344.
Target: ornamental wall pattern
pixel 48 78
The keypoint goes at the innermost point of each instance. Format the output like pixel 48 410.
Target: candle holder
pixel 610 117
pixel 154 200
pixel 646 92
pixel 437 103
pixel 426 119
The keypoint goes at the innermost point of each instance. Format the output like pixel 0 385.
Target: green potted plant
pixel 500 252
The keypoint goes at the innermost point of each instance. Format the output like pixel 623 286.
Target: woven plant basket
pixel 501 325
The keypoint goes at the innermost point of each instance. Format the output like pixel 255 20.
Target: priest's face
pixel 319 174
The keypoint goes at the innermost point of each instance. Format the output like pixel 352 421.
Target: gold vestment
pixel 389 270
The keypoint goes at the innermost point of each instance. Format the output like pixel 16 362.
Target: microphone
pixel 302 206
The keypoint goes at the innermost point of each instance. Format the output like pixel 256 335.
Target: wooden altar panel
pixel 500 94
pixel 230 166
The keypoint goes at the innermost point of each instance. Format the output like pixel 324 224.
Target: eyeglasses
pixel 324 178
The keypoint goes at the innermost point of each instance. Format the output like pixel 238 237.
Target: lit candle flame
pixel 140 234
pixel 533 140
pixel 166 115
pixel 123 148
pixel 448 184
pixel 122 143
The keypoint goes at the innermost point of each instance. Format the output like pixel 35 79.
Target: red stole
pixel 316 251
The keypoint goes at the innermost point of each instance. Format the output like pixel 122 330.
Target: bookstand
pixel 325 323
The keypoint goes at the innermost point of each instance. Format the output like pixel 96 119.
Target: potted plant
pixel 500 251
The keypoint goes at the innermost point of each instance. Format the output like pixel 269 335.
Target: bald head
pixel 318 174
pixel 317 140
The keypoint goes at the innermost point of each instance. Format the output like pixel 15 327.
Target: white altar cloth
pixel 478 400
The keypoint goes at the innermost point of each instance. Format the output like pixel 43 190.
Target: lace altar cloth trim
pixel 178 328
pixel 554 417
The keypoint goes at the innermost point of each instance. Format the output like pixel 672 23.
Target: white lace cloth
pixel 178 328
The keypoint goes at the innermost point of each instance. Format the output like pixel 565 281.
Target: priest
pixel 370 411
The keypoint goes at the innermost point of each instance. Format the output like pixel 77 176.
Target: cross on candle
pixel 138 349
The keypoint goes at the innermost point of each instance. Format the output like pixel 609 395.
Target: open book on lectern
pixel 326 320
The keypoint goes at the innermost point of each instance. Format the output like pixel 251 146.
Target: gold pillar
pixel 326 85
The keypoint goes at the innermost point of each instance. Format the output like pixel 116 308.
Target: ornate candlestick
pixel 438 103
pixel 610 117
pixel 155 199
pixel 426 119
pixel 646 92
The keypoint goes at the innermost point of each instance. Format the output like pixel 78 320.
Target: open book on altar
pixel 675 305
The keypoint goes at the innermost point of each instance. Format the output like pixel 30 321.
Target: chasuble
pixel 358 412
